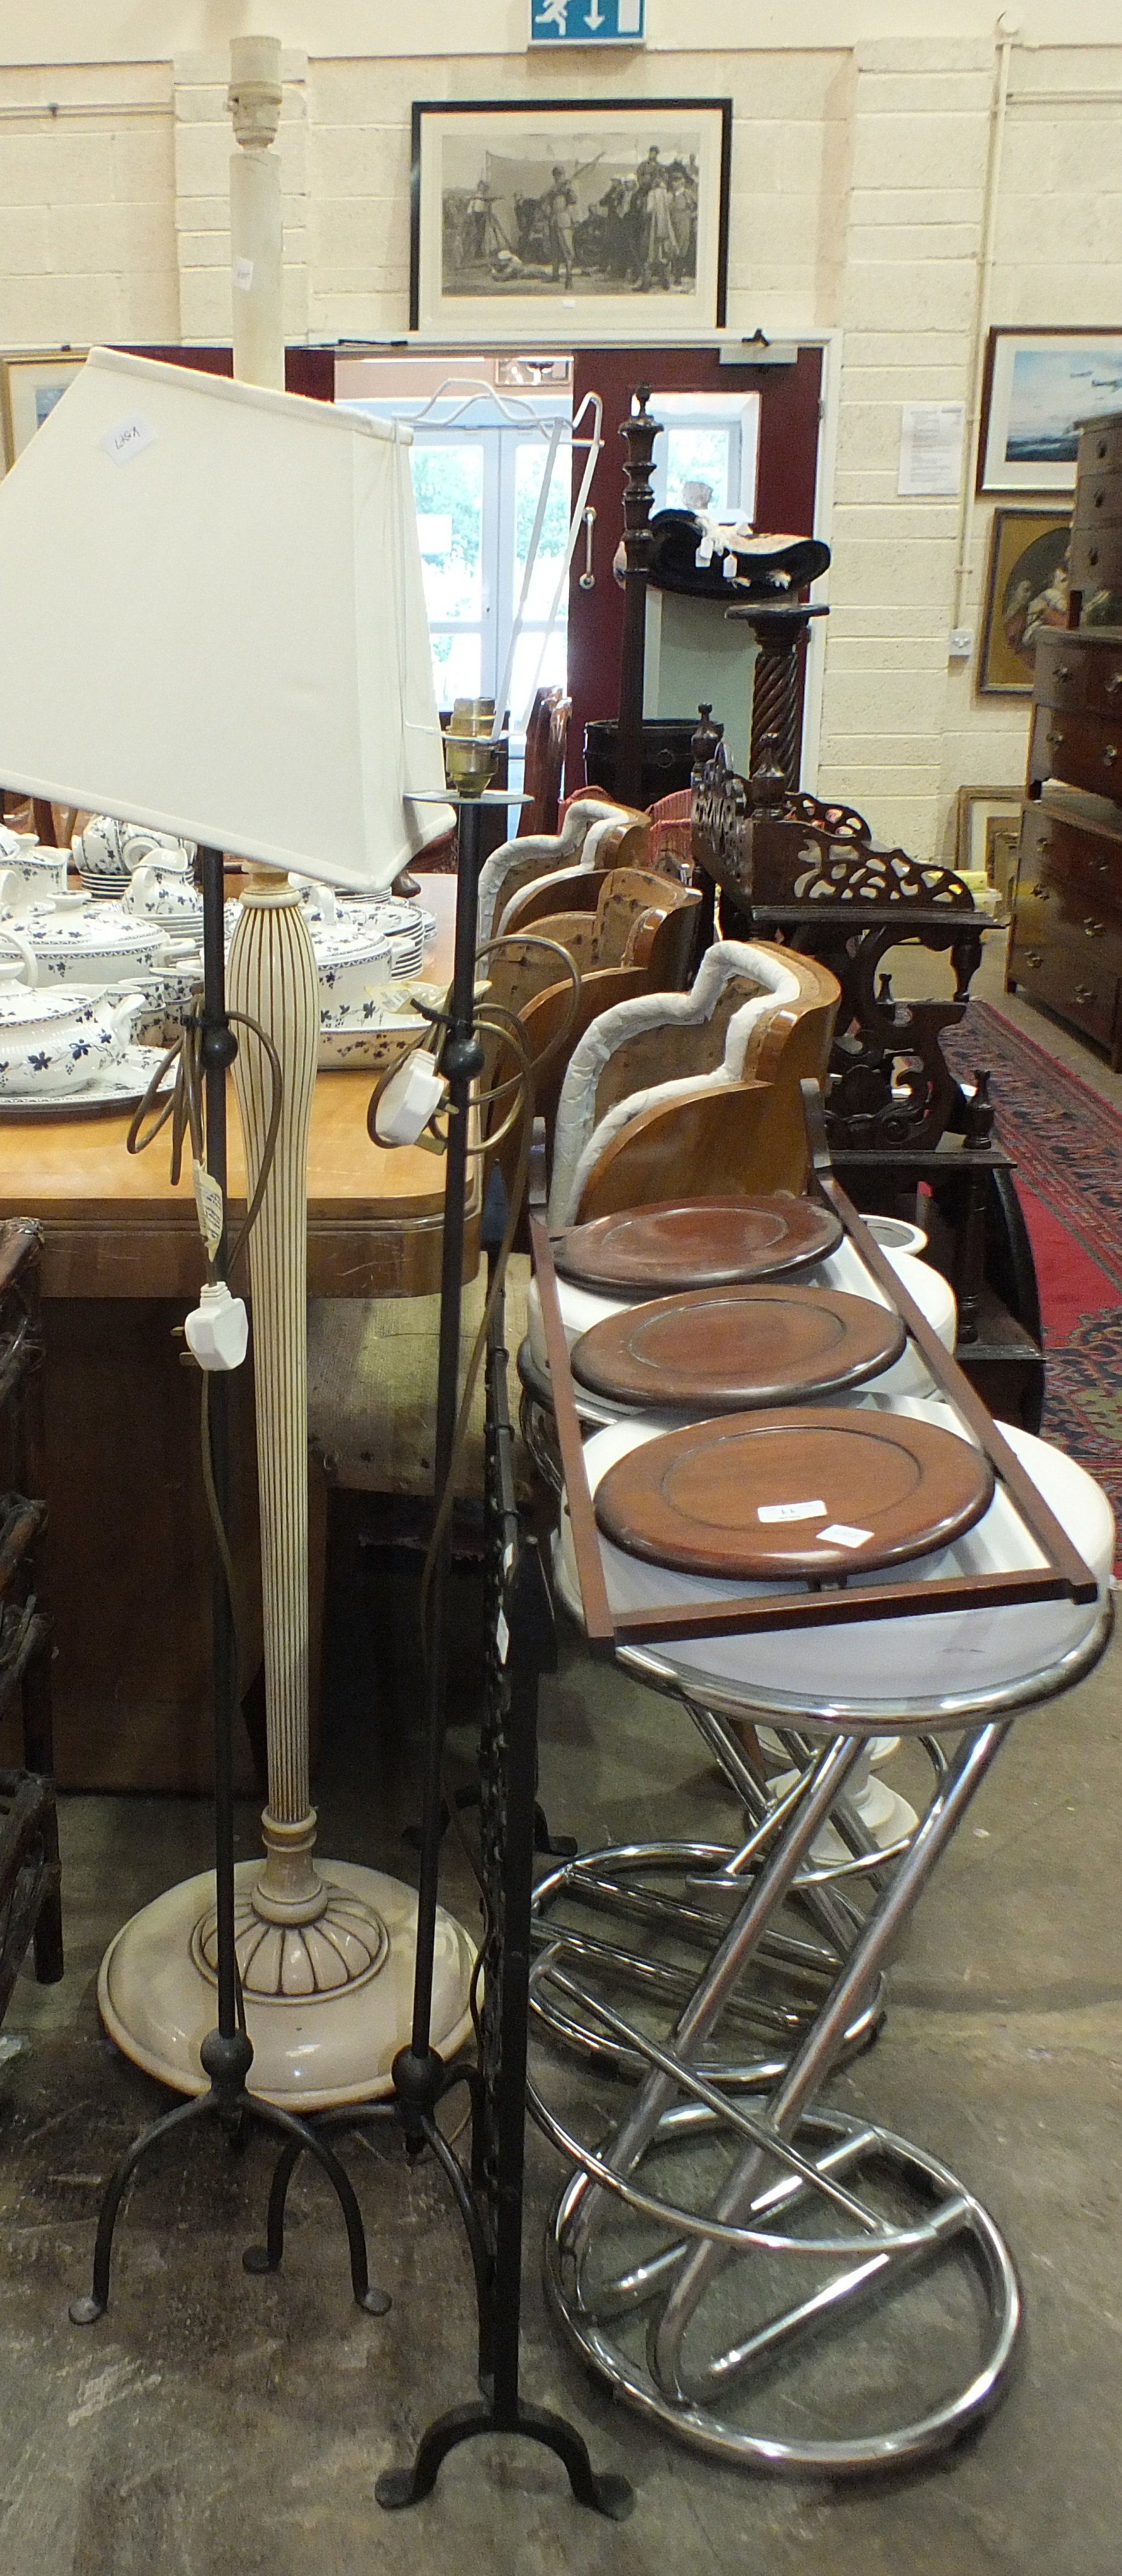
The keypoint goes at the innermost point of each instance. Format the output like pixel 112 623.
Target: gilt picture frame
pixel 571 222
pixel 1026 589
pixel 31 382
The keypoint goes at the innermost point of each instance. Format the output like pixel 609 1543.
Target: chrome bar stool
pixel 789 1309
pixel 769 2277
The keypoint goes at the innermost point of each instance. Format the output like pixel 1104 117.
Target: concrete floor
pixel 217 2422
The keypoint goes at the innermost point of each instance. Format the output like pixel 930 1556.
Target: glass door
pixel 477 486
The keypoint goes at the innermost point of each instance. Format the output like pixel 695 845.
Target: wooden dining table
pixel 127 1550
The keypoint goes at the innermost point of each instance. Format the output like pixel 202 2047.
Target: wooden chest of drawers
pixel 1065 949
pixel 1066 944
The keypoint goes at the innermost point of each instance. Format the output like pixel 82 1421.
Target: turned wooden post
pixel 639 433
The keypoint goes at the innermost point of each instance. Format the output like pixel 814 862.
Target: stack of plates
pixel 107 853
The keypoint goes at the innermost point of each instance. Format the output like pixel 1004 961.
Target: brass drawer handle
pixel 1063 670
pixel 1054 738
pixel 1034 957
pixel 1110 754
pixel 1084 992
pixel 1093 928
pixel 1113 683
pixel 1043 893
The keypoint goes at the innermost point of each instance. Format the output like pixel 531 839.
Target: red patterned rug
pixel 1067 1146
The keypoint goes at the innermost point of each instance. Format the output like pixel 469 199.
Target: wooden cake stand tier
pixel 696 1243
pixel 724 1348
pixel 761 1496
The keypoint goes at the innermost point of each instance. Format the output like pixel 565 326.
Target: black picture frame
pixel 494 291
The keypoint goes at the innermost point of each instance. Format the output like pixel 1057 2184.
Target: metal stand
pixel 518 1604
pixel 227 2052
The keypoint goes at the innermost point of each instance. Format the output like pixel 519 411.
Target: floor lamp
pixel 265 689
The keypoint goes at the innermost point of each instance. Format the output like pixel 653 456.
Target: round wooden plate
pixel 762 1495
pixel 724 1348
pixel 696 1243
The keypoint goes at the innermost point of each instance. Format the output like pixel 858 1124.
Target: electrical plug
pixel 405 1100
pixel 218 1329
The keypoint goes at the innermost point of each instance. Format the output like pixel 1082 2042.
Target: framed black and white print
pixel 570 222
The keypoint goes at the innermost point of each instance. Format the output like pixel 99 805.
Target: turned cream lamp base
pixel 328 2001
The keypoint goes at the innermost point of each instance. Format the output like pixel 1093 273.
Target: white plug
pixel 405 1104
pixel 217 1331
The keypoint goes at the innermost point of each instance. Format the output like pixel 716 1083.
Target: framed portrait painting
pixel 1037 388
pixel 1026 589
pixel 31 382
pixel 572 222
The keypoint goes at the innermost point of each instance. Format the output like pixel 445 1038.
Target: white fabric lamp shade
pixel 216 621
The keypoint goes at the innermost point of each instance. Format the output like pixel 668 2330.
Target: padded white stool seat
pixel 910 1671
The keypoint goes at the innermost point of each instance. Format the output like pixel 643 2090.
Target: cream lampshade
pixel 246 664
pixel 243 654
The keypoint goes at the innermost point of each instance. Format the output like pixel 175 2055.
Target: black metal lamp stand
pixel 227 2051
pixel 490 2202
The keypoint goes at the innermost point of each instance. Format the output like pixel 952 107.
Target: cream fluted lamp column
pixel 264 689
pixel 299 1934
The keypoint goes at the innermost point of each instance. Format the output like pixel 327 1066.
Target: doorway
pixel 478 479
pixel 782 427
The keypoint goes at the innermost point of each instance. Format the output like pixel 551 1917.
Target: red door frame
pixel 789 417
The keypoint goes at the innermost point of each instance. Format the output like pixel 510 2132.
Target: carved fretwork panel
pixel 722 827
pixel 797 862
pixel 891 1086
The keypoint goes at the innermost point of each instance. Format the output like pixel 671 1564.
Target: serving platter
pixel 754 1496
pixel 725 1348
pixel 121 1087
pixel 679 1244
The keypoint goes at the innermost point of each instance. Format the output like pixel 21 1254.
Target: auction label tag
pixel 791 1511
pixel 840 1534
pixel 211 1207
pixel 129 438
pixel 243 275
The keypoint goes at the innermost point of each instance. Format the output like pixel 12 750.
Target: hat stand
pixel 490 2199
pixel 226 2052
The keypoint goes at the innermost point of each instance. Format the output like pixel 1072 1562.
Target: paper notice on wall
pixel 931 437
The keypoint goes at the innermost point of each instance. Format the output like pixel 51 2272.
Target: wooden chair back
pixel 618 845
pixel 546 735
pixel 739 1137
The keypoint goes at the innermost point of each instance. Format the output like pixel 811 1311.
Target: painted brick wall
pixel 857 190
pixel 87 231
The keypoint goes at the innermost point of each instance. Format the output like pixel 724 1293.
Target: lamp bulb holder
pixel 217 1330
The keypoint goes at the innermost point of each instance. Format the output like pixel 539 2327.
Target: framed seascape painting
pixel 1037 388
pixel 31 382
pixel 1026 588
pixel 572 222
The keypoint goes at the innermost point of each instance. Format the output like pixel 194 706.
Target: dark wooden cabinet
pixel 1065 950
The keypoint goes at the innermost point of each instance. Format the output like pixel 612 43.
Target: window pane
pixel 697 455
pixel 456 662
pixel 531 458
pixel 553 671
pixel 448 490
